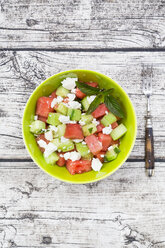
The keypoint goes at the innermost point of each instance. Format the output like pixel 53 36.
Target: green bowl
pixel 61 173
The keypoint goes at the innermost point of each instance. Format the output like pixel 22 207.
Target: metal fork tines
pixel 147 74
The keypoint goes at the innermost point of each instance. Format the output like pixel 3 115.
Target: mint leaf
pixel 87 89
pixel 94 104
pixel 114 106
pixel 107 92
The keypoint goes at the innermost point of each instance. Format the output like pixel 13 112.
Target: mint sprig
pixel 102 96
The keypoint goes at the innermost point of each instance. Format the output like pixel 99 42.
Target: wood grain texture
pixel 21 73
pixel 82 24
pixel 124 210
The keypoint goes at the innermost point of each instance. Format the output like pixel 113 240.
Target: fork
pixel 149 141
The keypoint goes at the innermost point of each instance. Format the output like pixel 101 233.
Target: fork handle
pixel 149 148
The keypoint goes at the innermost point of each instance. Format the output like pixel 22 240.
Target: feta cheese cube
pixel 96 164
pixel 107 130
pixel 49 135
pixel 50 148
pixel 36 117
pixel 72 156
pixel 69 83
pixel 42 143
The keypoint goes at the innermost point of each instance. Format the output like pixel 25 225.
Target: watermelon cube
pixel 100 111
pixel 95 146
pixel 61 162
pixel 78 166
pixel 73 131
pixel 100 156
pixel 106 140
pixel 44 106
pixel 100 127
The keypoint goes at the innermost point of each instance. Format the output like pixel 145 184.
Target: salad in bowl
pixel 79 126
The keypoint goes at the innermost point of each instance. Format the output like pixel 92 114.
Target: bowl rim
pixel 57 177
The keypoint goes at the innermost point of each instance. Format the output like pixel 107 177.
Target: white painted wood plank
pixel 82 24
pixel 124 210
pixel 21 72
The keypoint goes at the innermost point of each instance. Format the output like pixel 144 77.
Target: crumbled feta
pixel 74 105
pixel 59 150
pixel 66 120
pixel 102 155
pixel 50 148
pixel 49 135
pixel 82 123
pixel 63 139
pixel 69 83
pixel 110 148
pixel 71 97
pixel 72 156
pixel 96 164
pixel 90 99
pixel 95 122
pixel 42 143
pixel 53 128
pixel 107 130
pixel 73 91
pixel 61 155
pixel 36 117
pixel 77 140
pixel 83 143
pixel 106 112
pixel 56 100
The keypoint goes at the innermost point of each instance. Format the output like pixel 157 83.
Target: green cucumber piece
pixel 61 108
pixel 118 131
pixel 110 155
pixel 61 130
pixel 75 114
pixel 89 156
pixel 56 142
pixel 85 103
pixel 82 149
pixel 53 119
pixel 61 91
pixel 89 129
pixel 108 119
pixel 86 119
pixel 52 158
pixel 37 126
pixel 66 146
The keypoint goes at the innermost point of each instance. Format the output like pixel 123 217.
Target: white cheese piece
pixel 59 150
pixel 102 155
pixel 82 123
pixel 106 112
pixel 83 143
pixel 73 91
pixel 90 99
pixel 95 122
pixel 63 139
pixel 49 135
pixel 110 148
pixel 72 156
pixel 42 143
pixel 71 97
pixel 107 130
pixel 66 119
pixel 96 164
pixel 61 155
pixel 56 100
pixel 50 148
pixel 53 128
pixel 36 117
pixel 74 105
pixel 69 83
pixel 77 140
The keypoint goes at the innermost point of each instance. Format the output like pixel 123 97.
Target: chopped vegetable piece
pixel 52 158
pixel 73 131
pixel 44 106
pixel 61 162
pixel 95 146
pixel 89 129
pixel 61 91
pixel 105 139
pixel 61 108
pixel 100 111
pixel 108 119
pixel 79 166
pixel 37 126
pixel 118 132
pixel 53 119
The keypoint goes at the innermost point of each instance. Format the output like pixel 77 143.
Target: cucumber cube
pixel 66 146
pixel 61 91
pixel 89 129
pixel 108 119
pixel 86 119
pixel 37 126
pixel 118 131
pixel 56 142
pixel 52 158
pixel 110 155
pixel 75 114
pixel 89 156
pixel 82 149
pixel 53 119
pixel 61 108
pixel 85 103
pixel 61 130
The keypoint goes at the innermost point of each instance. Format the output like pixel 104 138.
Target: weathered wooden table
pixel 39 38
